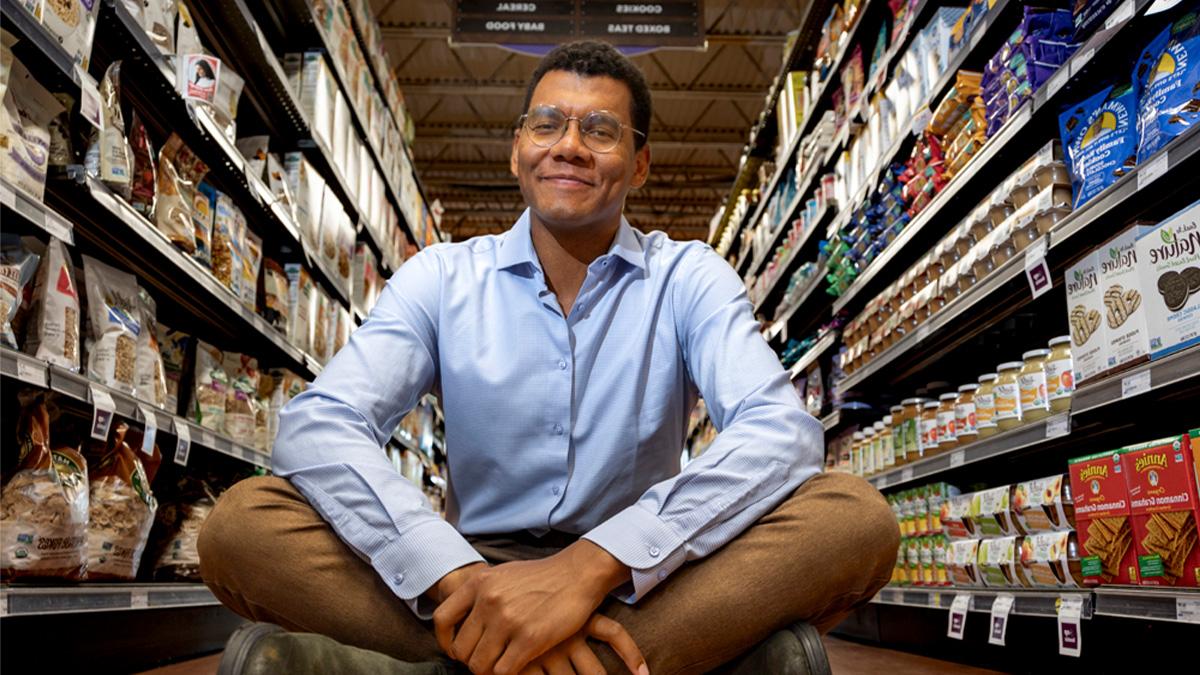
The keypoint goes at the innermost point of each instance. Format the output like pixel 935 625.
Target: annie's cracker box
pixel 1124 314
pixel 1163 500
pixel 1085 316
pixel 1102 517
pixel 1169 269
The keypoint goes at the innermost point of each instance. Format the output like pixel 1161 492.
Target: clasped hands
pixel 533 617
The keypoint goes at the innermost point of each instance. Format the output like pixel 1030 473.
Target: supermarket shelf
pixel 43 600
pixel 815 352
pixel 1177 605
pixel 38 373
pixel 1025 602
pixel 16 16
pixel 918 16
pixel 801 246
pixel 34 211
pixel 832 420
pixel 803 298
pixel 1046 98
pixel 1173 370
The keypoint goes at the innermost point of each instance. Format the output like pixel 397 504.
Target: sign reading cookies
pixel 1102 515
pixel 1169 270
pixel 1163 501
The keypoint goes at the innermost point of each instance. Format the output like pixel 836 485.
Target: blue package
pixel 1100 140
pixel 1168 74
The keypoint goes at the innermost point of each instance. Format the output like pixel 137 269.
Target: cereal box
pixel 1044 505
pixel 1169 271
pixel 1124 313
pixel 1163 501
pixel 1085 315
pixel 1102 515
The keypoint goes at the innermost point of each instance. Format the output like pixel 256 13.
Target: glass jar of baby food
pixel 985 405
pixel 965 422
pixel 1060 374
pixel 947 436
pixel 1035 403
pixel 1007 393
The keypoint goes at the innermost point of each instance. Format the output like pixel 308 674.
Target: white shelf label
pixel 89 98
pixel 183 442
pixel 1150 171
pixel 977 36
pixel 921 120
pixel 139 599
pixel 881 482
pixel 31 373
pixel 957 458
pixel 1001 607
pixel 1058 425
pixel 7 196
pixel 1070 642
pixel 1138 383
pixel 1122 14
pixel 1057 81
pixel 249 455
pixel 103 411
pixel 206 439
pixel 906 474
pixel 923 332
pixel 151 434
pixel 1081 61
pixel 3 605
pixel 958 616
pixel 1187 610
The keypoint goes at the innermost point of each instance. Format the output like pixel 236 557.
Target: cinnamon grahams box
pixel 1102 518
pixel 1160 476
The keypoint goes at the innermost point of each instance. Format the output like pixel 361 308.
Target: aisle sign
pixel 1070 610
pixel 1036 270
pixel 151 433
pixel 103 411
pixel 958 615
pixel 183 442
pixel 666 23
pixel 1001 607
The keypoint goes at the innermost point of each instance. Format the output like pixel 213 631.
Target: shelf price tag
pixel 206 439
pixel 1059 425
pixel 151 434
pixel 957 458
pixel 58 227
pixel 31 372
pixel 1070 642
pixel 921 120
pixel 1081 61
pixel 1057 81
pixel 139 599
pixel 1001 607
pixel 958 616
pixel 934 600
pixel 1150 171
pixel 1121 15
pixel 977 36
pixel 1187 610
pixel 906 474
pixel 1137 383
pixel 103 411
pixel 89 97
pixel 1037 273
pixel 881 482
pixel 183 442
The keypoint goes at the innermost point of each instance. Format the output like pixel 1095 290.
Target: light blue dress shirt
pixel 570 423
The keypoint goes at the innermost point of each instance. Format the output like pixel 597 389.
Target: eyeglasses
pixel 600 129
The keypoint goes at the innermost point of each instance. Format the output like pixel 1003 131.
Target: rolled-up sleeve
pixel 331 438
pixel 766 446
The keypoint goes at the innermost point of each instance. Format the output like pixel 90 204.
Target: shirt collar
pixel 516 246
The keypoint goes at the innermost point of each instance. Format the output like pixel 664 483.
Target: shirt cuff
pixel 645 544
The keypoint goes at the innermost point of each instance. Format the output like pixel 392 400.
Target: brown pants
pixel 267 555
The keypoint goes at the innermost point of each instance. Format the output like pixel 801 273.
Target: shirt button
pixel 604 264
pixel 555 490
pixel 399 579
pixel 558 429
pixel 662 574
pixel 654 551
pixel 562 365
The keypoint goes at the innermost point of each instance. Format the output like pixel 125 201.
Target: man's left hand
pixel 512 613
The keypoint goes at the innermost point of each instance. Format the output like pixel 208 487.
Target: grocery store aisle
pixel 847 658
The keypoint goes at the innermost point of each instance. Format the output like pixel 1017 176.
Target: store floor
pixel 846 658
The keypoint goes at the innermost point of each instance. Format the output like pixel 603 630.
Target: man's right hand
pixel 575 657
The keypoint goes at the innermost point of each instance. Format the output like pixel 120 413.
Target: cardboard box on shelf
pixel 1161 480
pixel 1102 514
pixel 1168 257
pixel 1085 318
pixel 1124 303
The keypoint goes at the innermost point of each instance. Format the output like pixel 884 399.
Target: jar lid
pixel 948 397
pixel 1035 354
pixel 913 401
pixel 987 378
pixel 1010 365
pixel 887 420
pixel 879 426
pixel 1061 340
pixel 968 387
pixel 868 433
pixel 932 405
pixel 858 436
pixel 896 408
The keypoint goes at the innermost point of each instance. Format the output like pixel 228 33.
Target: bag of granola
pixel 52 333
pixel 210 385
pixel 113 325
pixel 181 521
pixel 44 504
pixel 173 346
pixel 173 205
pixel 17 268
pixel 241 395
pixel 150 381
pixel 275 295
pixel 142 190
pixel 121 505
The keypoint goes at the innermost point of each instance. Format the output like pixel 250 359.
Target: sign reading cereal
pixel 1163 501
pixel 1102 516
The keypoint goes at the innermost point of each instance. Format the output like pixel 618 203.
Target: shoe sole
pixel 237 649
pixel 814 648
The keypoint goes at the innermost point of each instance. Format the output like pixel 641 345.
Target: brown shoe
pixel 796 650
pixel 264 648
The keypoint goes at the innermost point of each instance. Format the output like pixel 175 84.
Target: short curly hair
pixel 593 58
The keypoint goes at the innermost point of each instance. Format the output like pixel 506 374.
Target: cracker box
pixel 1102 516
pixel 1051 560
pixel 1044 505
pixel 1162 498
pixel 1124 307
pixel 1085 318
pixel 1169 273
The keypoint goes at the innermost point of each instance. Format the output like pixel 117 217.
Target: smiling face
pixel 569 186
